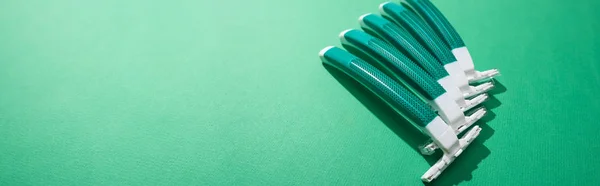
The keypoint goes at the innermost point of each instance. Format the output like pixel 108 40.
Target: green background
pixel 232 92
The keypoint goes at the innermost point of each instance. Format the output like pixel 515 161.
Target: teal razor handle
pixel 452 39
pixel 410 21
pixel 436 20
pixel 407 104
pixel 400 99
pixel 411 75
pixel 394 61
pixel 403 41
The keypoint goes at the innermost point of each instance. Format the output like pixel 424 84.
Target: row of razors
pixel 413 59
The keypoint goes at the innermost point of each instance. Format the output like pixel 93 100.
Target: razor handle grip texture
pixel 410 21
pixel 438 21
pixel 399 98
pixel 396 62
pixel 404 41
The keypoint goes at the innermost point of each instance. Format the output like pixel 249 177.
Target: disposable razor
pixel 403 41
pixel 409 74
pixel 443 28
pixel 405 103
pixel 408 20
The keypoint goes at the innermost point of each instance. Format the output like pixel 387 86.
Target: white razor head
pixel 483 76
pixel 430 148
pixel 447 159
pixel 471 103
pixel 479 89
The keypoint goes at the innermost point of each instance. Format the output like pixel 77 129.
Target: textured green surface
pixel 199 92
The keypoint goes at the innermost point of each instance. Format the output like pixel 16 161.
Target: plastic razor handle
pixel 408 73
pixel 383 86
pixel 395 62
pixel 403 41
pixel 452 39
pixel 402 100
pixel 436 20
pixel 408 20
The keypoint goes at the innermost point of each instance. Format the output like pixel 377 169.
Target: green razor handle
pixel 400 99
pixel 438 21
pixel 403 41
pixel 397 63
pixel 410 21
